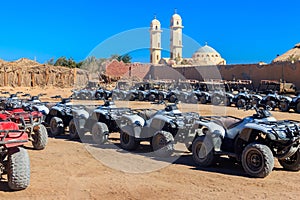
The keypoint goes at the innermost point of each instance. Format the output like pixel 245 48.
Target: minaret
pixel 155 41
pixel 176 37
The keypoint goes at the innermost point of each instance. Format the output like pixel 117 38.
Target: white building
pixel 155 41
pixel 176 37
pixel 205 55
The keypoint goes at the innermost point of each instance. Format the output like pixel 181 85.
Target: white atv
pixel 254 140
pixel 162 128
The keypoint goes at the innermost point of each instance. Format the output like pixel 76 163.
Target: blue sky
pixel 242 31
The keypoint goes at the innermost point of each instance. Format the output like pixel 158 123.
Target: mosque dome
pixel 207 49
pixel 207 55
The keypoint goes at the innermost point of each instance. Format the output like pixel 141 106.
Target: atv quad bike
pixel 61 116
pixel 14 159
pixel 162 128
pixel 287 103
pixel 31 121
pixel 103 120
pixel 254 141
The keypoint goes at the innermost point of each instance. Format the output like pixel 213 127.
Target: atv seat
pixel 147 114
pixel 228 122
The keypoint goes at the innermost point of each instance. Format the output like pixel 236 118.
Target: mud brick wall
pixel 290 72
pixel 41 75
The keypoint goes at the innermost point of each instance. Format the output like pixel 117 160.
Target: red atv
pixel 14 160
pixel 31 122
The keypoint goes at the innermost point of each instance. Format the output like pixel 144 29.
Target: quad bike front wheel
pixel 141 96
pixel 203 100
pixel 40 137
pixel 127 139
pixel 172 98
pixel 100 133
pixel 98 96
pixel 257 160
pixel 152 97
pixel 193 99
pixel 271 105
pixel 73 133
pixel 56 126
pixel 18 168
pixel 216 100
pixel 203 152
pixel 163 144
pixel 291 163
pixel 241 103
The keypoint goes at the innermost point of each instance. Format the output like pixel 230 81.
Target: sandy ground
pixel 67 170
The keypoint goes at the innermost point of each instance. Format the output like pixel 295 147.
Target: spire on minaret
pixel 175 11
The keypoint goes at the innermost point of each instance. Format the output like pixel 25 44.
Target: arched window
pixel 157 57
pixel 158 45
pixel 156 28
pixel 177 22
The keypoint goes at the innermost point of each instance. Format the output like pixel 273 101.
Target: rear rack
pixel 2 142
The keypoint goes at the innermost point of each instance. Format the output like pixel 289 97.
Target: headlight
pixel 138 123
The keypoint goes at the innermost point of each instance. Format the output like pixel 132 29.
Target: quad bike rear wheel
pixel 40 137
pixel 284 106
pixel 291 163
pixel 257 160
pixel 298 107
pixel 203 152
pixel 18 168
pixel 163 144
pixel 160 97
pixel 255 102
pixel 100 133
pixel 56 126
pixel 227 101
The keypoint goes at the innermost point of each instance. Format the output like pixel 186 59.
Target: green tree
pixel 126 58
pixel 62 61
pixel 71 63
